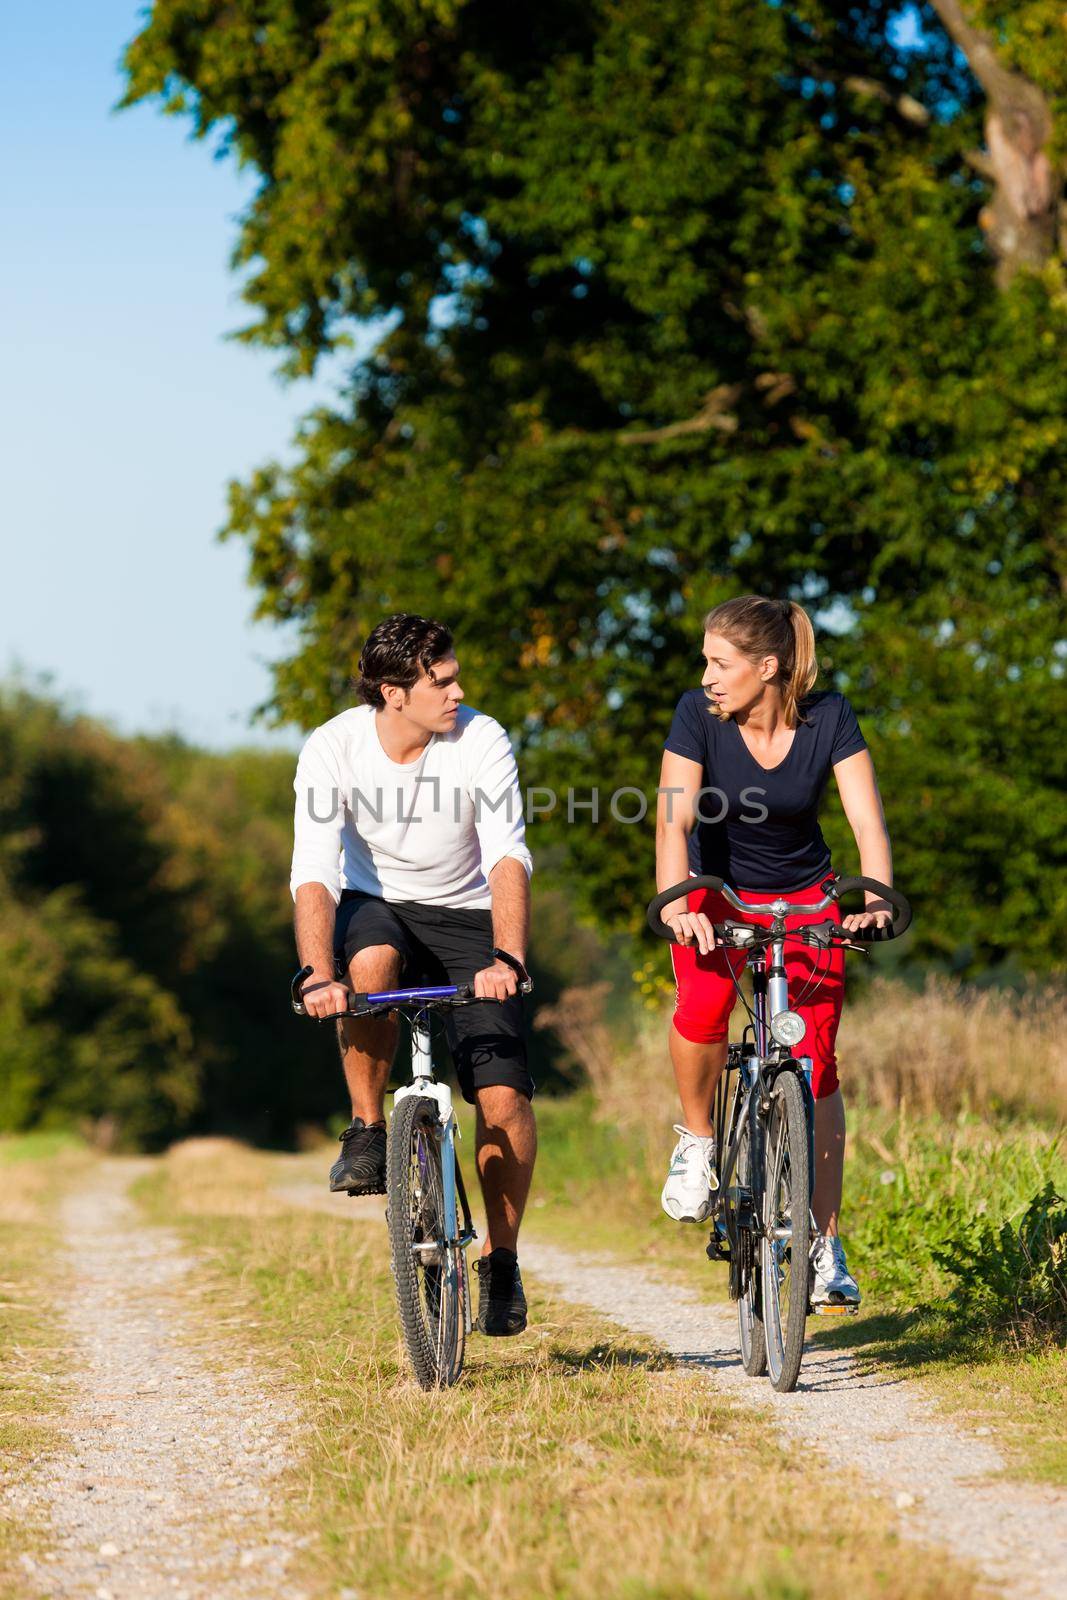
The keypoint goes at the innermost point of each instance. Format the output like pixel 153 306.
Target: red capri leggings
pixel 706 994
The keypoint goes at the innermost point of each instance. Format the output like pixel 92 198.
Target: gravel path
pixel 167 1491
pixel 935 1475
pixel 870 1421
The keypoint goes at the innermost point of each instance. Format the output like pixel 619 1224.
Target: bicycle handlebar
pixel 901 907
pixel 833 889
pixel 388 999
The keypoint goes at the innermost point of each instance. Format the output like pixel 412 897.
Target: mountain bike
pixel 427 1211
pixel 764 1122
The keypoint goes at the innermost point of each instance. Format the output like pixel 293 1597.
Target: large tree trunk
pixel 1022 221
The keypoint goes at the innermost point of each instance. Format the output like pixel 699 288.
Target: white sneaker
pixel 831 1282
pixel 692 1179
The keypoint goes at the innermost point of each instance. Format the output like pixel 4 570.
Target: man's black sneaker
pixel 501 1302
pixel 361 1168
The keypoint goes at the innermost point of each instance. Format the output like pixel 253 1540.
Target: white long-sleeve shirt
pixel 429 830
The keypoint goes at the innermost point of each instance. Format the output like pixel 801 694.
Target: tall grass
pixel 950 1048
pixel 942 1050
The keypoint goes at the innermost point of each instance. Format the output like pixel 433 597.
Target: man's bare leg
pixel 506 1148
pixel 368 1044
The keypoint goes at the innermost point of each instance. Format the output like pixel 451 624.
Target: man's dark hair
pixel 396 650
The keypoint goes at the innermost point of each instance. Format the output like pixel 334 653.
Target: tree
pixel 1017 53
pixel 146 936
pixel 678 301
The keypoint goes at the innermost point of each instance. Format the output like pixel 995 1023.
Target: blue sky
pixel 124 409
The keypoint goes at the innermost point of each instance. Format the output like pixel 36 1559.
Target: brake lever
pixel 822 935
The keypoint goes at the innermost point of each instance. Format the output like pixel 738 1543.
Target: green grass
pixel 40 1146
pixel 914 1187
pixel 571 1462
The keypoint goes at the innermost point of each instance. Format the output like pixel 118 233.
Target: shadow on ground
pixel 607 1356
pixel 901 1339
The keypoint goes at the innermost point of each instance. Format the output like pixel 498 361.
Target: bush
pixel 86 1039
pixel 1013 1279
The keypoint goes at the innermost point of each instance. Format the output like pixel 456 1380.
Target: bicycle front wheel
pixel 429 1266
pixel 786 1240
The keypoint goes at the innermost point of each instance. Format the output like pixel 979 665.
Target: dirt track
pixel 168 1489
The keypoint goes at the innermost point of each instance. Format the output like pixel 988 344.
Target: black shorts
pixel 443 944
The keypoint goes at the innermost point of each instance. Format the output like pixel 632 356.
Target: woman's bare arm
pixel 862 804
pixel 680 782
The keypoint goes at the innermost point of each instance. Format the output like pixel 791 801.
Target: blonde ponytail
pixel 759 627
pixel 800 681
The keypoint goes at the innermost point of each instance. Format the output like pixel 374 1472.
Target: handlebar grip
pixel 525 981
pixel 901 908
pixel 665 896
pixel 295 988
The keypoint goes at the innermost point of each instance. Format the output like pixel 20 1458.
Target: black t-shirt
pixel 759 829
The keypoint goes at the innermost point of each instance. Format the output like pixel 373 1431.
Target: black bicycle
pixel 763 1118
pixel 427 1212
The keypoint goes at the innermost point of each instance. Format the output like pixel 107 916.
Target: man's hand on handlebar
pixel 877 915
pixel 496 982
pixel 691 927
pixel 323 996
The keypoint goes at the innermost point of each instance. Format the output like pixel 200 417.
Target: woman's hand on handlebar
pixel 876 915
pixel 691 927
pixel 323 996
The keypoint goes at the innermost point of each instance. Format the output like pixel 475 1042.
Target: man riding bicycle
pixel 410 866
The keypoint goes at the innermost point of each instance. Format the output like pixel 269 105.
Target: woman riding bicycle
pixel 744 768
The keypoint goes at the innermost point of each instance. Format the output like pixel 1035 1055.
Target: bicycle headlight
pixel 787 1028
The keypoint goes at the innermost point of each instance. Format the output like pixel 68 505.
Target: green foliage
pixel 1029 37
pixel 674 306
pixel 146 936
pixel 84 1035
pixel 1013 1278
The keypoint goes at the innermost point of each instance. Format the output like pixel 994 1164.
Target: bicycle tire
pixel 786 1242
pixel 430 1288
pixel 750 1330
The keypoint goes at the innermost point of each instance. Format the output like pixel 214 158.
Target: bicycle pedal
pixel 833 1311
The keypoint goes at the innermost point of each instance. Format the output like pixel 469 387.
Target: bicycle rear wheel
pixel 786 1242
pixel 429 1267
pixel 750 1328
